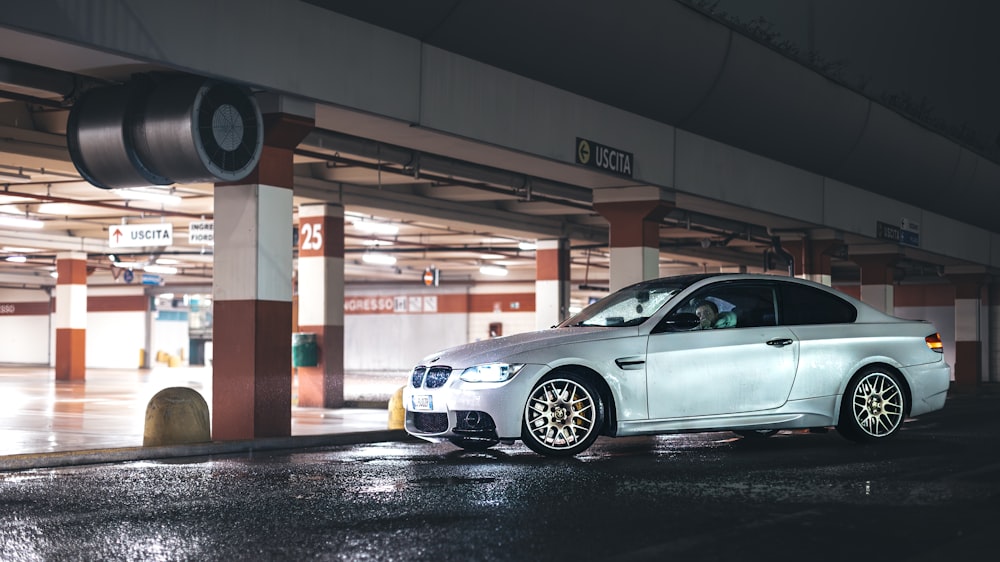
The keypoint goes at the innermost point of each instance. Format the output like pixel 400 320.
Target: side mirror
pixel 680 322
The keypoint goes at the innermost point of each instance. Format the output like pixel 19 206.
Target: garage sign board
pixel 140 235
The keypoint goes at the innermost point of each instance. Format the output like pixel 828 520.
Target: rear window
pixel 801 304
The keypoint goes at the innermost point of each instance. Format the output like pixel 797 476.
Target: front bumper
pixel 461 409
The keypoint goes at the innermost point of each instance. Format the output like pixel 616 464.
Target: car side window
pixel 808 305
pixel 734 305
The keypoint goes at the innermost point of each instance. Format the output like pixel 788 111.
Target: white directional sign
pixel 202 232
pixel 140 235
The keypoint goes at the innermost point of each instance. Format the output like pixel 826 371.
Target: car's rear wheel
pixel 473 443
pixel 563 416
pixel 873 406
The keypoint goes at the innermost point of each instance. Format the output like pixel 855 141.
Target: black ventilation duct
pixel 178 129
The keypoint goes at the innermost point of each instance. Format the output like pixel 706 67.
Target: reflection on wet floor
pixel 107 410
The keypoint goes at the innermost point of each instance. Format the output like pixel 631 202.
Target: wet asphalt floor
pixel 932 493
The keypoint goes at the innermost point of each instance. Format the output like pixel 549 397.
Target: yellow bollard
pixel 397 415
pixel 176 416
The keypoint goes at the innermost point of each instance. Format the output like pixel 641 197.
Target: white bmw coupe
pixel 752 354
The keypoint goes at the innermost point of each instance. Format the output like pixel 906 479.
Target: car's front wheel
pixel 563 416
pixel 873 406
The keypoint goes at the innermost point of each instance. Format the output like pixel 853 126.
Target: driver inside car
pixel 708 312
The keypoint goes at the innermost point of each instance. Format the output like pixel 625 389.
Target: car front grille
pixel 433 377
pixel 430 423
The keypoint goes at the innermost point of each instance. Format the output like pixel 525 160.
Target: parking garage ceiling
pixel 447 213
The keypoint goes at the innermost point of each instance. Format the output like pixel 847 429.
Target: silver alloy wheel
pixel 878 404
pixel 560 414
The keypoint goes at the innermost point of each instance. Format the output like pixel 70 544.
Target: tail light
pixel 934 342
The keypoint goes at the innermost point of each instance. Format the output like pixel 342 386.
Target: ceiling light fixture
pixel 378 258
pixel 17 259
pixel 372 227
pixel 20 222
pixel 526 246
pixel 149 194
pixel 494 270
pixel 163 269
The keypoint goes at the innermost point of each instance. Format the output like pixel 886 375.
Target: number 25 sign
pixel 311 236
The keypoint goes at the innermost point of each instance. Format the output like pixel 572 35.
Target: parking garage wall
pixel 389 329
pixel 25 318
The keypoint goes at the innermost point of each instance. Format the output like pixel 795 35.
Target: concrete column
pixel 813 258
pixel 251 382
pixel 968 329
pixel 877 280
pixel 634 215
pixel 321 302
pixel 71 316
pixel 552 282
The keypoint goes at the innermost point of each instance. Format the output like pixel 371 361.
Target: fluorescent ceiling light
pixel 491 257
pixel 148 194
pixel 17 259
pixel 495 270
pixel 19 250
pixel 527 246
pixel 167 261
pixel 20 222
pixel 164 269
pixel 373 227
pixel 378 258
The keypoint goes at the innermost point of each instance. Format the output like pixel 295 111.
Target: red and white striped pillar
pixel 321 302
pixel 552 282
pixel 969 329
pixel 634 215
pixel 877 280
pixel 813 258
pixel 252 365
pixel 71 316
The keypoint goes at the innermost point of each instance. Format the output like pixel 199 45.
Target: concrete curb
pixel 125 454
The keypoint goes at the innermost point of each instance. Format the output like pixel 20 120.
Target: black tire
pixel 755 433
pixel 873 407
pixel 563 416
pixel 473 443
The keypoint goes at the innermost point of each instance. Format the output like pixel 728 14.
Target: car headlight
pixel 490 372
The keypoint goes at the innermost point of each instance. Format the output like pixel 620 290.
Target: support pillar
pixel 814 258
pixel 251 381
pixel 877 280
pixel 71 316
pixel 968 329
pixel 321 302
pixel 634 215
pixel 552 282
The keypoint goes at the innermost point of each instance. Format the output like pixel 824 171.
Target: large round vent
pixel 177 130
pixel 99 137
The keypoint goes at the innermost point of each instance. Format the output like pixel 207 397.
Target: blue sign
pixel 150 279
pixel 129 276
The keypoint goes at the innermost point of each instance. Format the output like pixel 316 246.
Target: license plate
pixel 422 402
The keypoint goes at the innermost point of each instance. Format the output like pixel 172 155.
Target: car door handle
pixel 779 342
pixel 630 363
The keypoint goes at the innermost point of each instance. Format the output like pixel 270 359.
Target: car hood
pixel 518 348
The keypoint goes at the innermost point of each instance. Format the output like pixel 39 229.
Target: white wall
pixel 391 342
pixel 115 339
pixel 24 338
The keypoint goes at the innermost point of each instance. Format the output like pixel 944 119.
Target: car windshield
pixel 632 305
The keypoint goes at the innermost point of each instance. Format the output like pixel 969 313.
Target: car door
pixel 746 368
